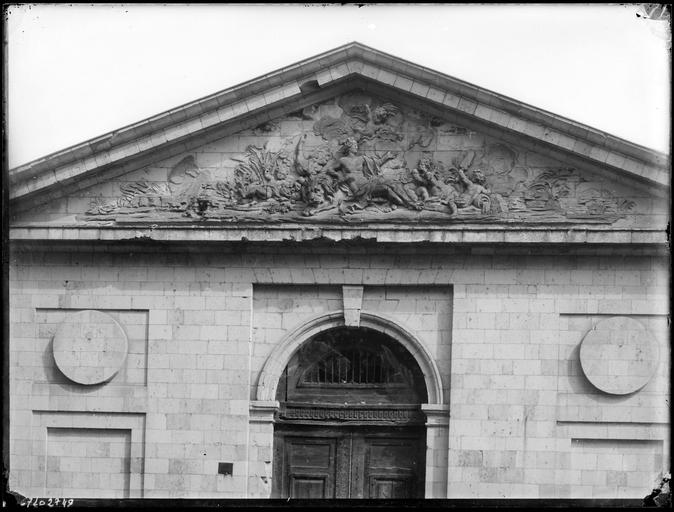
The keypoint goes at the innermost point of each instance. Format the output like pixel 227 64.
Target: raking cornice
pixel 257 100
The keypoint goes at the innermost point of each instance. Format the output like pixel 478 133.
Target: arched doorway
pixel 350 423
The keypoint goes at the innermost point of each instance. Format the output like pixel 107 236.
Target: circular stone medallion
pixel 90 347
pixel 619 355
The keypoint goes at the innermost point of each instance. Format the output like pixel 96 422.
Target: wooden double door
pixel 349 462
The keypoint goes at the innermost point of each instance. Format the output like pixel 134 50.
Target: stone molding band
pixel 394 414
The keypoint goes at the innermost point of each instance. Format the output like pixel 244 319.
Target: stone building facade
pixel 353 277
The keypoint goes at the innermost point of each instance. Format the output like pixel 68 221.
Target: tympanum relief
pixel 358 158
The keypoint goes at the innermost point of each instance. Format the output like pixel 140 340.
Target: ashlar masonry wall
pixel 504 329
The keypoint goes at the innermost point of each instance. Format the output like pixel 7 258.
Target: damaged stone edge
pixel 285 234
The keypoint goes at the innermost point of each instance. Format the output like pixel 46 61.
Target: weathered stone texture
pixel 504 331
pixel 491 239
pixel 507 167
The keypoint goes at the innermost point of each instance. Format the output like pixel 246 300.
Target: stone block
pixel 386 77
pixel 419 88
pixel 353 300
pixel 402 82
pixel 435 95
pixel 467 105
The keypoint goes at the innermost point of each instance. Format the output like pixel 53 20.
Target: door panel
pixel 349 462
pixel 310 467
pixel 391 466
pixel 310 453
pixel 386 487
pixel 391 453
pixel 307 487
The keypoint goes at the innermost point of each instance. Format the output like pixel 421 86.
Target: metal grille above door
pixel 352 366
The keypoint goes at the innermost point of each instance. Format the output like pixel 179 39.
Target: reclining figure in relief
pixel 349 182
pixel 361 178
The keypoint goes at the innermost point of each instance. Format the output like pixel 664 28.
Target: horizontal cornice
pixel 373 233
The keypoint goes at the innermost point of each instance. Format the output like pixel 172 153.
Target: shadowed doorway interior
pixel 350 423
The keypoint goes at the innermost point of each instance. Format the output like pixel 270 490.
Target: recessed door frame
pixel 265 407
pixel 261 436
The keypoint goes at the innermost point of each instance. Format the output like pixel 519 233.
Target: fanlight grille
pixel 357 367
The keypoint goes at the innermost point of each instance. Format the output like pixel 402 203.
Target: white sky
pixel 77 71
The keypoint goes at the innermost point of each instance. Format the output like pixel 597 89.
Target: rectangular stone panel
pixel 86 462
pixel 84 455
pixel 617 468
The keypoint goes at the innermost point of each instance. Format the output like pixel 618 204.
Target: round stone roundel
pixel 619 356
pixel 90 347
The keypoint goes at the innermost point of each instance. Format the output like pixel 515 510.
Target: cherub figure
pixel 423 183
pixel 475 193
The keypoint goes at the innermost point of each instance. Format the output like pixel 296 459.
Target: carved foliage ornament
pixel 365 160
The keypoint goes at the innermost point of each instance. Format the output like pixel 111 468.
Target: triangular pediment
pixel 351 137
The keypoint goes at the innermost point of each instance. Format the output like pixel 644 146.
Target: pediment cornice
pixel 279 92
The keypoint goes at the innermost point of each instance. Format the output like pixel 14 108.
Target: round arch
pixel 291 342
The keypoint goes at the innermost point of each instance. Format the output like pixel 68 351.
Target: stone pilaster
pixel 437 432
pixel 261 425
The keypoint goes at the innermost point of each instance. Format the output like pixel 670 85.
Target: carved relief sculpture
pixel 365 160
